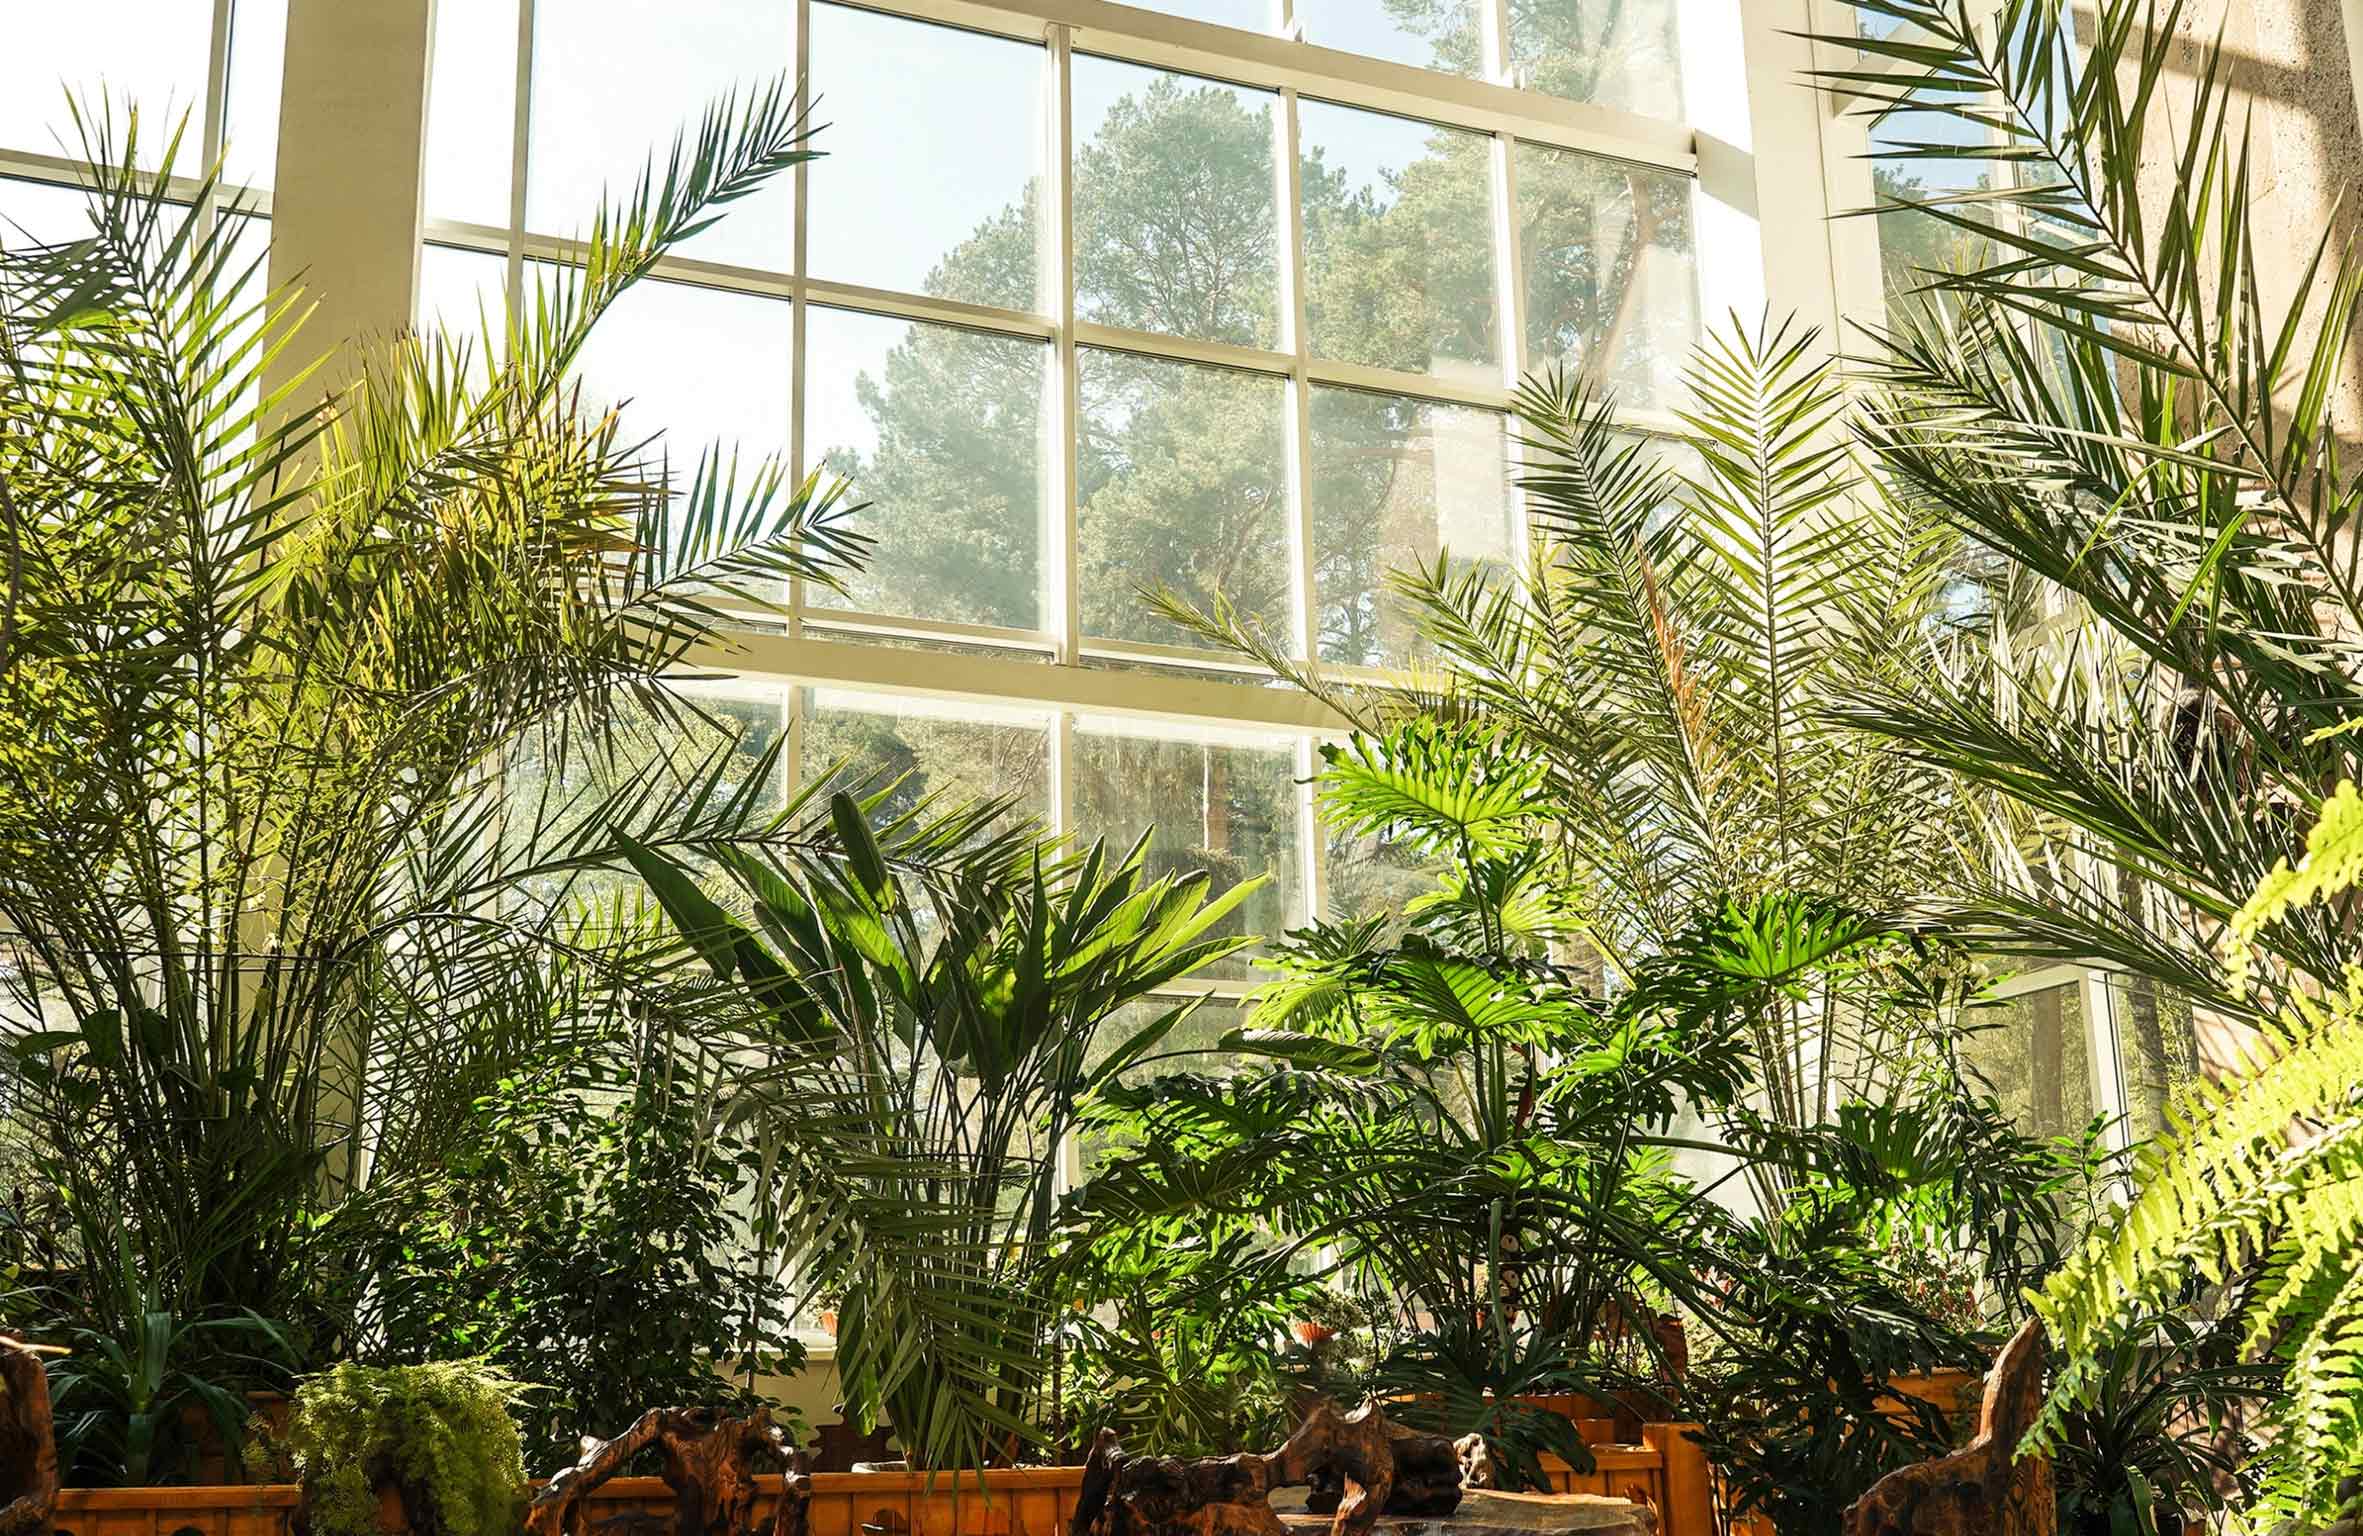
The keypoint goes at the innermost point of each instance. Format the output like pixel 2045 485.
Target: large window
pixel 1080 315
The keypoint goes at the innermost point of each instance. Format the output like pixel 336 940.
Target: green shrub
pixel 588 1232
pixel 441 1429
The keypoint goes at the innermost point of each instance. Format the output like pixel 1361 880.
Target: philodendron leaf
pixel 1315 1052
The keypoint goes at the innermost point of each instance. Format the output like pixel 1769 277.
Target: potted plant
pixel 429 1449
pixel 921 1009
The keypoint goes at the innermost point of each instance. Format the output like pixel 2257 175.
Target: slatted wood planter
pixel 1030 1501
pixel 1667 1471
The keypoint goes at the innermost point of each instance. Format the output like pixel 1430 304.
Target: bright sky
pixel 149 52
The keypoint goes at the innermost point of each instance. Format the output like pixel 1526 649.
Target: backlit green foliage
pixel 2264 1165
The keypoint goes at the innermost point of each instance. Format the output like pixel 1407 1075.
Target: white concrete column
pixel 346 203
pixel 1767 149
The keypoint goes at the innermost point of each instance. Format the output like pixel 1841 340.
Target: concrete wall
pixel 2296 64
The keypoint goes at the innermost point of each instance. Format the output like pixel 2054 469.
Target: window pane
pixel 554 784
pixel 1182 486
pixel 951 122
pixel 1398 243
pixel 38 213
pixel 2158 1042
pixel 149 54
pixel 1174 226
pixel 613 82
pixel 1912 243
pixel 1431 34
pixel 1619 53
pixel 459 292
pixel 941 432
pixel 959 751
pixel 2032 1051
pixel 1394 483
pixel 698 365
pixel 472 115
pixel 1222 804
pixel 1373 876
pixel 1191 1046
pixel 1610 277
pixel 250 125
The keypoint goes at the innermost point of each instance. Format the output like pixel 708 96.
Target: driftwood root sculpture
pixel 1985 1488
pixel 709 1463
pixel 28 1443
pixel 1356 1464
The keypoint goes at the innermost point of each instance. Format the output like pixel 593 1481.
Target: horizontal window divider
pixel 565 251
pixel 861 622
pixel 67 172
pixel 1397 381
pixel 491 239
pixel 915 306
pixel 1268 61
pixel 1186 655
pixel 1013 679
pixel 1184 349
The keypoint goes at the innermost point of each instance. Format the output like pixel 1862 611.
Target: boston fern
pixel 2267 1165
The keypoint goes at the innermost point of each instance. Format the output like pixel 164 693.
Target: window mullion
pixel 1063 534
pixel 520 163
pixel 799 326
pixel 217 100
pixel 1298 452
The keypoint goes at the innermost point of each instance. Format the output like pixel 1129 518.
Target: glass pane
pixel 1398 243
pixel 1189 1047
pixel 1373 876
pixel 1619 53
pixel 258 56
pixel 460 292
pixel 472 115
pixel 1611 281
pixel 1226 805
pixel 148 54
pixel 1395 482
pixel 554 785
pixel 1430 34
pixel 2158 1042
pixel 1183 485
pixel 613 82
pixel 2032 1052
pixel 38 213
pixel 941 432
pixel 696 364
pixel 959 751
pixel 1174 225
pixel 1904 166
pixel 951 122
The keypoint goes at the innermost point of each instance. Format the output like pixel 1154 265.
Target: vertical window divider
pixel 518 161
pixel 1509 275
pixel 1297 459
pixel 1493 39
pixel 1298 450
pixel 214 119
pixel 1064 534
pixel 1312 864
pixel 798 329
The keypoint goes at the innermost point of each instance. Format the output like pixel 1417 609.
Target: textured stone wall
pixel 2295 63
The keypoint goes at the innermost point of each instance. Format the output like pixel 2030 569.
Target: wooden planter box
pixel 1028 1501
pixel 1665 1470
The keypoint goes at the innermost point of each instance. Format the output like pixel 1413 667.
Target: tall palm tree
pixel 1671 652
pixel 260 666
